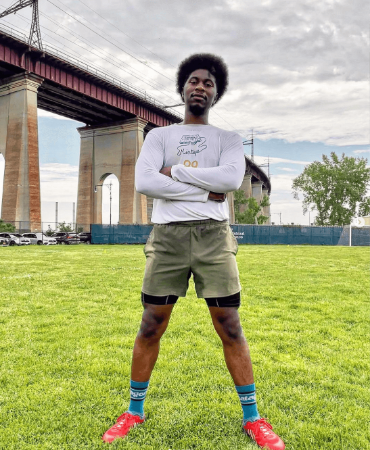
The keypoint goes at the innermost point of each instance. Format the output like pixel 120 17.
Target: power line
pixel 107 60
pixel 98 34
pixel 95 53
pixel 147 65
pixel 110 23
pixel 218 115
pixel 35 34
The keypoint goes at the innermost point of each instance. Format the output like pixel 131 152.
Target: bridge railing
pixel 51 50
pixel 13 33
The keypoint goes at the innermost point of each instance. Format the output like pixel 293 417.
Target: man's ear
pixel 215 99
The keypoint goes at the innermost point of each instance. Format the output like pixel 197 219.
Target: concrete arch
pixel 106 150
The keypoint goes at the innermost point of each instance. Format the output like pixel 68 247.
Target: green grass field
pixel 69 316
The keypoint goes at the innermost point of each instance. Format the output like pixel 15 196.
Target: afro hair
pixel 214 64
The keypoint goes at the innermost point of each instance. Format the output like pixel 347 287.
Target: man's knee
pixel 229 328
pixel 153 325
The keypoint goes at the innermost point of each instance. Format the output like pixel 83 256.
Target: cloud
pixel 298 68
pixel 58 182
pixel 281 183
pixel 361 151
pixel 273 160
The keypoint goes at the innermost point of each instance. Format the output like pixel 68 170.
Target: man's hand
pixel 166 171
pixel 216 197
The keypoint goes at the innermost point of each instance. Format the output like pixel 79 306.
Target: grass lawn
pixel 69 316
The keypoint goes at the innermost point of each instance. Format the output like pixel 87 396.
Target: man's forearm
pixel 155 185
pixel 214 196
pixel 226 178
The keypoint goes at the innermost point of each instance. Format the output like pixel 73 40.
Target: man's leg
pixel 236 351
pixel 153 324
pixel 227 324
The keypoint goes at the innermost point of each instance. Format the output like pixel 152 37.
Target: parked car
pixel 85 237
pixel 4 242
pixel 40 238
pixel 66 238
pixel 16 239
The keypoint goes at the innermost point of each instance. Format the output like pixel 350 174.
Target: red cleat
pixel 261 432
pixel 123 425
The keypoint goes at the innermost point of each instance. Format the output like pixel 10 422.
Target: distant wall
pixel 245 234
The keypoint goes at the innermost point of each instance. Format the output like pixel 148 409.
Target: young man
pixel 188 169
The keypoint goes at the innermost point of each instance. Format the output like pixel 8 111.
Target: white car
pixel 4 242
pixel 40 238
pixel 16 239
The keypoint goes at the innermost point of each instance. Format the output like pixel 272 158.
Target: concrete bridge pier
pixel 247 188
pixel 107 150
pixel 21 204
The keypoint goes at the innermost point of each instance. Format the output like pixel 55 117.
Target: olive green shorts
pixel 204 248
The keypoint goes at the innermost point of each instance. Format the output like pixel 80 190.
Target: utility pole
pixel 109 186
pixel 251 143
pixel 34 39
pixel 252 154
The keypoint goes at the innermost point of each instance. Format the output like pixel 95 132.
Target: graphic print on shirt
pixel 191 144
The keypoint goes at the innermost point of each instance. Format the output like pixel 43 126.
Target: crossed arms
pixel 187 183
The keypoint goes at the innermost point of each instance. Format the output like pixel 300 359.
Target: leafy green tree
pixel 239 199
pixel 335 188
pixel 252 213
pixel 364 208
pixel 65 227
pixel 49 231
pixel 6 227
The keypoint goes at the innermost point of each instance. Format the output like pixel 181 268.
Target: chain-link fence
pixel 21 227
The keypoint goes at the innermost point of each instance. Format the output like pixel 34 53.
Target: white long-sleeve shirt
pixel 203 159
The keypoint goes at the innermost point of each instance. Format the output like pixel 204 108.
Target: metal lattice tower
pixel 35 34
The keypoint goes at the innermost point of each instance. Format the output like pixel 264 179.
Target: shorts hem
pixel 219 295
pixel 163 295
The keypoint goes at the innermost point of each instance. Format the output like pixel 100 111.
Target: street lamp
pixel 109 186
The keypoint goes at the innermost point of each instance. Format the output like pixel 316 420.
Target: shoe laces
pixel 264 427
pixel 124 420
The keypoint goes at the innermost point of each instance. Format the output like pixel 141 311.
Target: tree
pixel 335 188
pixel 252 213
pixel 49 231
pixel 65 227
pixel 6 227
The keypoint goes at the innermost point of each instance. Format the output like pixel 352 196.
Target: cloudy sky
pixel 298 78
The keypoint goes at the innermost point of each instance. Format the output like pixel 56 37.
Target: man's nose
pixel 199 87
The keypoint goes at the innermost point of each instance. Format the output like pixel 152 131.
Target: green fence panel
pixel 245 234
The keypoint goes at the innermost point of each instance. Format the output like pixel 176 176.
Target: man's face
pixel 200 91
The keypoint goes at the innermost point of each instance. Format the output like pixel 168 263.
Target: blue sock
pixel 247 396
pixel 137 397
